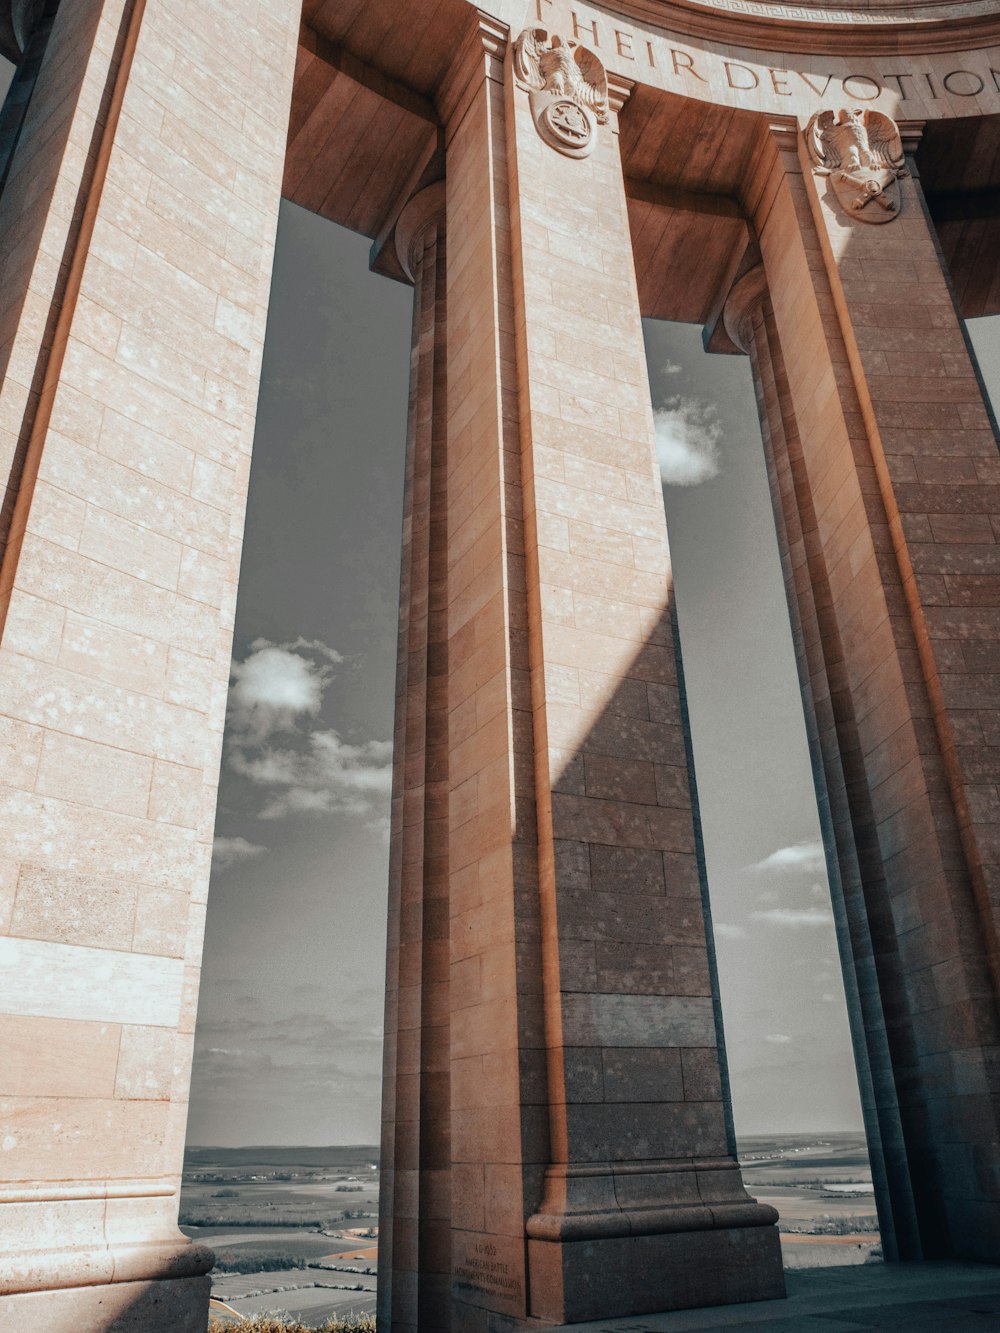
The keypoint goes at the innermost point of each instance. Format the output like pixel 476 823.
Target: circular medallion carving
pixel 568 124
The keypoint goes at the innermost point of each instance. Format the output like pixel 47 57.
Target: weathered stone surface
pixel 556 1142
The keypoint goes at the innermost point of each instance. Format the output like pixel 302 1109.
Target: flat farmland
pixel 296 1229
pixel 293 1230
pixel 821 1186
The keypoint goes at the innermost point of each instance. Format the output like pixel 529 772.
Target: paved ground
pixel 917 1298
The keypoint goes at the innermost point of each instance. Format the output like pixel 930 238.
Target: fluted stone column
pixel 837 763
pixel 414 1198
pixel 643 1205
pixel 133 293
pixel 896 484
pixel 591 1160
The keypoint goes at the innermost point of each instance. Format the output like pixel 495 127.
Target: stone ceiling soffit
pixel 674 197
pixel 688 249
pixel 342 60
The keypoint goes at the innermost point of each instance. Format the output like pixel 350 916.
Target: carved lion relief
pixel 567 87
pixel 862 153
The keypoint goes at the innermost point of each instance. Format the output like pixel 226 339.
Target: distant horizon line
pixel 314 1147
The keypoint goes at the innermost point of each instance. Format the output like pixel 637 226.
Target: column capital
pixel 619 90
pixel 482 52
pixel 17 22
pixel 422 214
pixel 745 297
pixel 911 132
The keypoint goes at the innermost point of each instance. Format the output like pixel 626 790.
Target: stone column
pixel 588 1108
pixel 137 225
pixel 837 764
pixel 899 469
pixel 414 1198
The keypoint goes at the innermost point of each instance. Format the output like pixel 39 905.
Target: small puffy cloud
pixel 228 852
pixel 328 774
pixel 687 441
pixel 803 858
pixel 278 683
pixel 275 743
pixel 828 997
pixel 778 1038
pixel 723 931
pixel 794 916
pixel 671 368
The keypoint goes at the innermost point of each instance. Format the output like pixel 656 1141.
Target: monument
pixel 818 186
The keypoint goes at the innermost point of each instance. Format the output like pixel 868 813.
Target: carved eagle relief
pixel 550 63
pixel 863 154
pixel 567 85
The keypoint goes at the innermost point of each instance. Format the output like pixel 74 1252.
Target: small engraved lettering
pixel 745 69
pixel 899 83
pixel 820 92
pixel 684 63
pixel 578 28
pixel 484 1271
pixel 779 85
pixel 963 74
pixel 623 42
pixel 861 78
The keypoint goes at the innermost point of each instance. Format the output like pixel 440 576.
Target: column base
pixel 607 1278
pixel 169 1305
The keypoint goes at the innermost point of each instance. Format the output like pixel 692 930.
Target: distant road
pixel 215 1239
pixel 865 1238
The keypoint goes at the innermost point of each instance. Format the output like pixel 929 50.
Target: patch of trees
pixel 264 1261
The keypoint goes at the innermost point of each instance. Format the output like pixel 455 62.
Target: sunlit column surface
pixel 587 1104
pixel 138 223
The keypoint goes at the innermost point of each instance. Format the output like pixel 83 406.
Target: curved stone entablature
pixel 927 25
pixel 865 13
pixel 919 76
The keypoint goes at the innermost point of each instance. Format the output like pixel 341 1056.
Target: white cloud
pixel 671 368
pixel 804 857
pixel 723 931
pixel 794 916
pixel 328 774
pixel 228 852
pixel 827 997
pixel 276 684
pixel 778 1039
pixel 273 741
pixel 687 441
